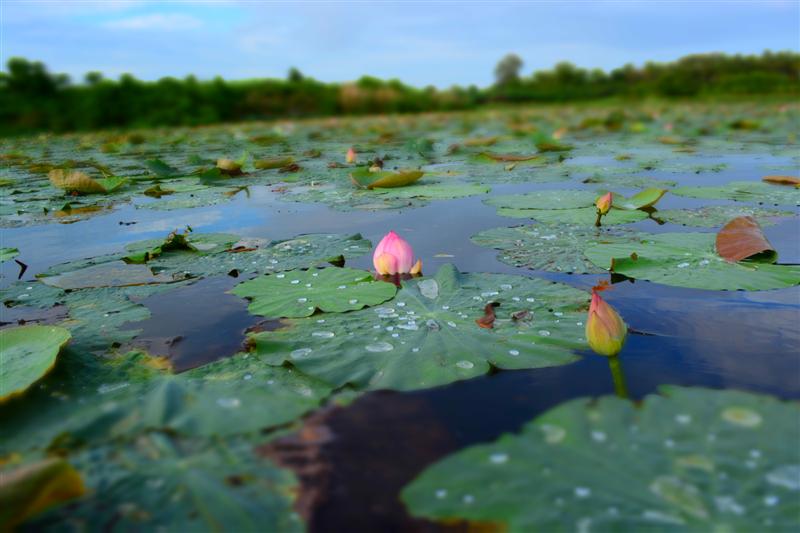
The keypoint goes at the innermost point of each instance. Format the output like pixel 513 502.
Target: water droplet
pixel 248 377
pixel 755 454
pixel 342 287
pixel 498 458
pixel 321 321
pixel 401 304
pixel 441 493
pixel 295 281
pixel 352 301
pixel 302 300
pixel 429 288
pixel 506 287
pixel 323 334
pixel 280 276
pixel 468 498
pixel 432 325
pixel 415 350
pixel 726 504
pixel 742 416
pixel 308 285
pixel 771 500
pixel 395 335
pixel 379 347
pixel 544 333
pixel 451 324
pixel 683 419
pixel 513 352
pixel 465 364
pixel 598 436
pixel 229 403
pixel 787 476
pixel 704 262
pixel 669 443
pixel 683 265
pixel 530 299
pixel 553 434
pixel 300 352
pixel 583 492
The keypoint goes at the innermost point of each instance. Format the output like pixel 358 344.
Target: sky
pixel 429 42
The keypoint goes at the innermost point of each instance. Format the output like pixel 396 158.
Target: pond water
pixel 718 339
pixel 354 459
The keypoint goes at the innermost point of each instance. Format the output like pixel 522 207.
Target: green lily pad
pixel 583 216
pixel 689 260
pixel 27 353
pixel 641 199
pixel 161 169
pixel 550 200
pixel 745 191
pixel 692 460
pixel 718 215
pixel 163 483
pixel 427 335
pixel 111 274
pixel 6 254
pixel 300 293
pixel 555 248
pixel 384 179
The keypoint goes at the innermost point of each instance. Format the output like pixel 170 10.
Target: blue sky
pixel 421 42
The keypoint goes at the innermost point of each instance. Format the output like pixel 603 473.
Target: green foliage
pixel 33 99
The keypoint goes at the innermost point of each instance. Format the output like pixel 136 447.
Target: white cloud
pixel 157 22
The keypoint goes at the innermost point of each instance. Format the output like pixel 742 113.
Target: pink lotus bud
pixel 393 255
pixel 605 329
pixel 604 203
pixel 350 158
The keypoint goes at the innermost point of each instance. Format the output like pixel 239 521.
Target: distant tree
pixel 295 76
pixel 93 78
pixel 507 70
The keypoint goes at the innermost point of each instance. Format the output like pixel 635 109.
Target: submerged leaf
pixel 742 238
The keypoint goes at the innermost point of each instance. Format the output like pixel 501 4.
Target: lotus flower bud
pixel 350 158
pixel 604 203
pixel 605 329
pixel 393 255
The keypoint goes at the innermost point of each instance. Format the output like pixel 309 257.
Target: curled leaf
pixel 33 488
pixel 488 318
pixel 79 182
pixel 640 200
pixel 229 167
pixel 782 180
pixel 365 179
pixel 742 238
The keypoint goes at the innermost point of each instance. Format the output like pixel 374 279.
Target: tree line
pixel 34 99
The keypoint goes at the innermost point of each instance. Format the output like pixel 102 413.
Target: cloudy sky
pixel 421 42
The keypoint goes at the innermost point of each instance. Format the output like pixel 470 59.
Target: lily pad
pixel 163 483
pixel 718 215
pixel 641 199
pixel 6 254
pixel 745 191
pixel 584 216
pixel 384 179
pixel 689 260
pixel 555 248
pixel 111 274
pixel 691 460
pixel 27 353
pixel 550 200
pixel 33 488
pixel 427 335
pixel 299 293
pixel 80 182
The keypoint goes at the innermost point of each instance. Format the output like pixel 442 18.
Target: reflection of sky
pixel 422 43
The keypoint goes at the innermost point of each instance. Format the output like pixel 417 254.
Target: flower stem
pixel 618 376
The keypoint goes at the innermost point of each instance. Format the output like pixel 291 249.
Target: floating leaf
pixel 555 248
pixel 687 461
pixel 31 489
pixel 6 254
pixel 160 168
pixel 299 293
pixel 80 182
pixel 160 483
pixel 384 179
pixel 508 158
pixel 229 167
pixel 551 199
pixel 782 180
pixel 688 260
pixel 27 353
pixel 744 191
pixel 642 199
pixel 717 215
pixel 427 336
pixel 583 216
pixel 110 274
pixel 273 162
pixel 742 238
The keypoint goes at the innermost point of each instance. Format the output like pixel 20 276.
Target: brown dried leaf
pixel 488 318
pixel 742 238
pixel 782 180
